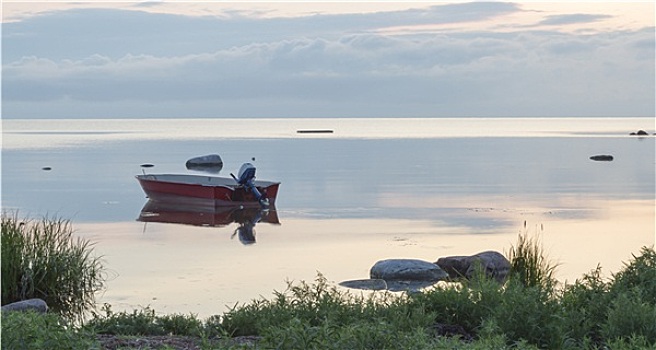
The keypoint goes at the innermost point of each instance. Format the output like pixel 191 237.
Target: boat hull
pixel 222 191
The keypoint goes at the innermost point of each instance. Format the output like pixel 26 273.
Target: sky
pixel 188 59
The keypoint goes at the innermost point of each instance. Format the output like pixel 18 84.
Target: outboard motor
pixel 246 178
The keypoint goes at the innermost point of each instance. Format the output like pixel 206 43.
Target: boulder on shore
pixel 35 304
pixel 407 270
pixel 492 263
pixel 639 133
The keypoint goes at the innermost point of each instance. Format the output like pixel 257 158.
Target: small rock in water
pixel 211 163
pixel 146 165
pixel 602 158
pixel 46 168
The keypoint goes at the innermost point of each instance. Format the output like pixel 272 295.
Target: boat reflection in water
pixel 200 212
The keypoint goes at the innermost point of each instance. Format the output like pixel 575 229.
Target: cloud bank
pixel 104 63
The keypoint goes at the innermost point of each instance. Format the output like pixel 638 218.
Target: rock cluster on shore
pixel 413 274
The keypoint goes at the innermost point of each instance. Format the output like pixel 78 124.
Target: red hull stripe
pixel 231 195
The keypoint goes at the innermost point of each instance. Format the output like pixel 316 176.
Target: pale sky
pixel 327 59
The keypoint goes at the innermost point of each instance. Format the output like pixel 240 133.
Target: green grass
pixel 528 311
pixel 29 330
pixel 41 259
pixel 529 264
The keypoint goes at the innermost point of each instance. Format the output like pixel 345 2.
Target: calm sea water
pixel 372 189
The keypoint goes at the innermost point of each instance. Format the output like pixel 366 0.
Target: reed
pixel 528 261
pixel 42 259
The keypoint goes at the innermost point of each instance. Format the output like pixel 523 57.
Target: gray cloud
pixel 572 19
pixel 128 64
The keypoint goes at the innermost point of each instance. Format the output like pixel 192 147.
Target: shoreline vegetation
pixel 529 310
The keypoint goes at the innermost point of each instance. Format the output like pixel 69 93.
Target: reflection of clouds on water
pixel 451 181
pixel 367 199
pixel 222 272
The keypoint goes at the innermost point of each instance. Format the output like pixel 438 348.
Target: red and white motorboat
pixel 236 191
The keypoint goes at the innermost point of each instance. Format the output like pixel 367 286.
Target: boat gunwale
pixel 183 177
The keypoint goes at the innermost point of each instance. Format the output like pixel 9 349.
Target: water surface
pixel 372 189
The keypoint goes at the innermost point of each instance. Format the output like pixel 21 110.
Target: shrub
pixel 358 335
pixel 530 314
pixel 619 311
pixel 40 259
pixel 30 330
pixel 316 303
pixel 631 312
pixel 144 322
pixel 629 316
pixel 466 305
pixel 585 307
pixel 640 274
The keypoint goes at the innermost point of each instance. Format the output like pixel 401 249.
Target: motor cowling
pixel 246 178
pixel 246 173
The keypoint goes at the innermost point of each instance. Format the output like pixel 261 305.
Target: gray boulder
pixel 211 163
pixel 494 264
pixel 407 270
pixel 36 304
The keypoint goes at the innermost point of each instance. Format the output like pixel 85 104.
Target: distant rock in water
pixel 210 163
pixel 46 168
pixel 639 133
pixel 602 158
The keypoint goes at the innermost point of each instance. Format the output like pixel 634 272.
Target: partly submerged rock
pixel 210 163
pixel 494 264
pixel 602 158
pixel 408 286
pixel 391 285
pixel 35 304
pixel 399 275
pixel 407 270
pixel 367 284
pixel 639 133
